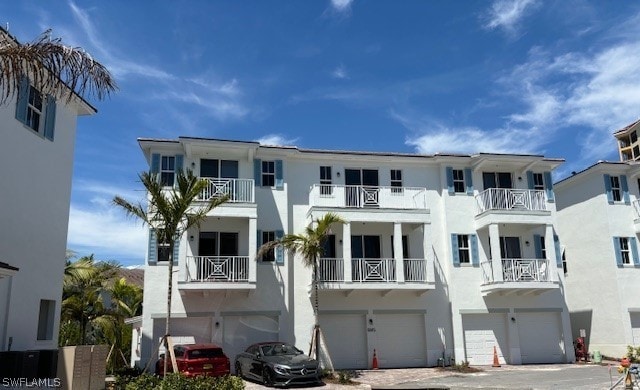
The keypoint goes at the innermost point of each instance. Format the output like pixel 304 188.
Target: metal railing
pixel 636 207
pixel 373 270
pixel 238 190
pixel 333 195
pixel 217 268
pixel 331 270
pixel 487 272
pixel 525 270
pixel 511 199
pixel 415 270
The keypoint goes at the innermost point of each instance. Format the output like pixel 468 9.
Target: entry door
pixel 227 169
pixel 365 247
pixel 213 249
pixel 513 270
pixel 510 248
pixel 362 187
pixel 497 180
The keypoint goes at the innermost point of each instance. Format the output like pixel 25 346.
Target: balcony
pixel 376 274
pixel 519 276
pixel 238 190
pixel 509 205
pixel 367 197
pixel 217 272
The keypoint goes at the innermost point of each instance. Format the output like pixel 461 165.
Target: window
pixel 625 253
pixel 396 181
pixel 615 189
pixel 543 249
pixel 538 181
pixel 458 181
pixel 163 250
pixel 167 171
pixel 636 152
pixel 268 237
pixel 634 137
pixel 325 181
pixel 45 319
pixel 463 249
pixel 226 169
pixel 497 180
pixel 268 174
pixel 34 109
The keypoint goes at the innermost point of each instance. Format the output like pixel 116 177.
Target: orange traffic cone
pixel 374 364
pixel 496 362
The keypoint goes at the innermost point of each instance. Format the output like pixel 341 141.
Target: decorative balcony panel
pixel 238 190
pixel 373 270
pixel 217 272
pixel 341 196
pixel 511 199
pixel 521 276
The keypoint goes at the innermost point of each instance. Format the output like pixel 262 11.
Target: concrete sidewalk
pixel 551 376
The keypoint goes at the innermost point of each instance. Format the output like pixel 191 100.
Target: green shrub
pixel 633 353
pixel 179 382
pixel 345 377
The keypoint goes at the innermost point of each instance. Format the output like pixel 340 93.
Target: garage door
pixel 190 330
pixel 481 333
pixel 540 337
pixel 635 328
pixel 240 331
pixel 346 339
pixel 400 340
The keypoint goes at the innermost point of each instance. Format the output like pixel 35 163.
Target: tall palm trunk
pixel 167 354
pixel 316 327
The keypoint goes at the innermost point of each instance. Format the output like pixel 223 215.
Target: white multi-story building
pixel 598 221
pixel 34 213
pixel 440 256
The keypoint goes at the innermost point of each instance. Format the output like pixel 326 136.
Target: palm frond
pixel 53 68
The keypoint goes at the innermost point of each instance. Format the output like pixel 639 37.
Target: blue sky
pixel 526 76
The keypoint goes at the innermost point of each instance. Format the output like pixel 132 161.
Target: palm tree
pixel 52 67
pixel 171 213
pixel 311 246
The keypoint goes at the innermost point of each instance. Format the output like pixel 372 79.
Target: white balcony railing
pixel 415 270
pixel 372 270
pixel 636 207
pixel 511 199
pixel 331 195
pixel 518 270
pixel 238 190
pixel 217 269
pixel 331 270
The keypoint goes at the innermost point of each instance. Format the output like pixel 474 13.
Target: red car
pixel 197 360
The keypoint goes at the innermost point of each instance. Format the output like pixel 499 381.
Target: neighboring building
pixel 628 145
pixel 34 213
pixel 599 220
pixel 441 256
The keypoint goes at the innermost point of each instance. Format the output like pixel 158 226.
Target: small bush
pixel 633 353
pixel 175 381
pixel 345 377
pixel 462 367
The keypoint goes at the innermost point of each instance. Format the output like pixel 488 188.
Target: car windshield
pixel 205 353
pixel 280 349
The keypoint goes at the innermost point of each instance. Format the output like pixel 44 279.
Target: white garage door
pixel 241 331
pixel 540 337
pixel 400 340
pixel 190 330
pixel 481 333
pixel 635 328
pixel 346 339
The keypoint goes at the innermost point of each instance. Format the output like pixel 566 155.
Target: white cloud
pixel 506 14
pixel 276 140
pixel 340 72
pixel 341 5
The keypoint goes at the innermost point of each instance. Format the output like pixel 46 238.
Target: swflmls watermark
pixel 31 383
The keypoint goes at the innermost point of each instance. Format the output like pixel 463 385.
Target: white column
pixel 428 253
pixel 496 259
pixel 253 232
pixel 550 249
pixel 346 251
pixel 398 254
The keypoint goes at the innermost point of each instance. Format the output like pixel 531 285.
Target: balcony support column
pixel 346 251
pixel 550 249
pixel 253 248
pixel 496 258
pixel 428 253
pixel 398 252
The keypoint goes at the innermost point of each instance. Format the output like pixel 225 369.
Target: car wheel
pixel 267 376
pixel 239 370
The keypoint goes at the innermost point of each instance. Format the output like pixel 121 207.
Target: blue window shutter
pixel 279 249
pixel 625 189
pixel 475 256
pixel 179 163
pixel 155 163
pixel 257 171
pixel 450 180
pixel 616 249
pixel 454 250
pixel 537 246
pixel 556 243
pixel 23 100
pixel 279 178
pixel 634 251
pixel 468 180
pixel 548 185
pixel 607 187
pixel 50 118
pixel 530 182
pixel 176 250
pixel 153 247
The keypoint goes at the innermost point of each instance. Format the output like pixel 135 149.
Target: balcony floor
pixel 382 287
pixel 185 287
pixel 518 288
